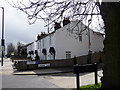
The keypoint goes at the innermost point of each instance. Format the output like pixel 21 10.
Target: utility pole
pixel 2 39
pixel 90 52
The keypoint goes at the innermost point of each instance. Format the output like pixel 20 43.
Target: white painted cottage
pixel 63 44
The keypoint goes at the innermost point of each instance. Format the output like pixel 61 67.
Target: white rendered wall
pixel 96 42
pixel 35 46
pixel 64 43
pixel 47 44
pixel 51 44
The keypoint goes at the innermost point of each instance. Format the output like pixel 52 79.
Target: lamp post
pixel 89 33
pixel 90 52
pixel 2 39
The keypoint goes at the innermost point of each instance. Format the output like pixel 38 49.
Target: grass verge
pixel 90 87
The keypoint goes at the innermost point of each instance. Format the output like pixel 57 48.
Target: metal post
pixel 89 33
pixel 89 37
pixel 78 84
pixel 96 80
pixel 89 52
pixel 2 40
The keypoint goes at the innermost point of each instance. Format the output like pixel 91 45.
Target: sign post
pixel 85 68
pixel 2 39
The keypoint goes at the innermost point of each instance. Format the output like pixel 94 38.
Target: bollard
pixel 78 84
pixel 96 80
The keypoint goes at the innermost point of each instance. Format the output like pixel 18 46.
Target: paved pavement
pixel 7 68
pixel 46 71
pixel 50 77
pixel 68 80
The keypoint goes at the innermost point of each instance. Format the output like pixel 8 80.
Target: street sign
pixel 44 65
pixel 31 62
pixel 1 48
pixel 85 68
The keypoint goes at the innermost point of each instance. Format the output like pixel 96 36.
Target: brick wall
pixel 69 62
pixel 63 62
pixel 58 63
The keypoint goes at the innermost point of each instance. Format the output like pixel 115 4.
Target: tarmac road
pixel 57 81
pixel 15 81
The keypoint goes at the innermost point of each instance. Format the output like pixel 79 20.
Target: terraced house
pixel 67 41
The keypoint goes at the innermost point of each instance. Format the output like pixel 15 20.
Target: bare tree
pixel 10 49
pixel 21 49
pixel 54 11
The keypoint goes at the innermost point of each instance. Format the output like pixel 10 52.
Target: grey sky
pixel 17 27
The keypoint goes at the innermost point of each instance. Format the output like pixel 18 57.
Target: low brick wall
pixel 82 60
pixel 58 63
pixel 96 56
pixel 21 65
pixel 20 57
pixel 63 62
pixel 69 62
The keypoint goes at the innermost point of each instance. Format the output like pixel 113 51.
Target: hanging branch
pixel 55 11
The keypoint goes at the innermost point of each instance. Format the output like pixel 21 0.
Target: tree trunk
pixel 111 72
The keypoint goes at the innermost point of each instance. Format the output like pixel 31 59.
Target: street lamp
pixel 90 52
pixel 89 33
pixel 2 39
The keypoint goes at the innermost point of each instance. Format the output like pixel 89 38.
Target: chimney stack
pixel 57 26
pixel 39 36
pixel 66 21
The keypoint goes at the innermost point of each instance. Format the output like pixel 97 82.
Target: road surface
pixel 15 81
pixel 57 81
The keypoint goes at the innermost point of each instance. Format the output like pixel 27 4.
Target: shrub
pixel 74 60
pixel 91 87
pixel 100 60
pixel 88 60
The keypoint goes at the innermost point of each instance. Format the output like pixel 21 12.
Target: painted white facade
pixel 65 44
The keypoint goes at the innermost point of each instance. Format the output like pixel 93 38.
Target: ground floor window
pixel 52 53
pixel 68 54
pixel 44 51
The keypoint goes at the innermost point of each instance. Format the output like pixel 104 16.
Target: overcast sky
pixel 17 27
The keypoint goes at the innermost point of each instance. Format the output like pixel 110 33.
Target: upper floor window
pixel 80 37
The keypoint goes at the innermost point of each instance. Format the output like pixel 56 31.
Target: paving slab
pixel 43 71
pixel 69 81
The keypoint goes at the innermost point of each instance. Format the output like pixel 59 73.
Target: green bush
pixel 88 60
pixel 100 60
pixel 91 87
pixel 74 60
